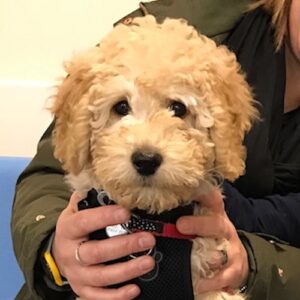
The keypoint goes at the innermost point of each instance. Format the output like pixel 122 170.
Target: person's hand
pixel 89 277
pixel 216 224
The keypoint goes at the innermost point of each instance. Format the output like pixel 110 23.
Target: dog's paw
pixel 208 256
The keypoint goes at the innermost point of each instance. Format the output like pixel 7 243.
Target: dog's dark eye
pixel 179 109
pixel 122 108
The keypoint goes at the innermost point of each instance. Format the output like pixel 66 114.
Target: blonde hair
pixel 279 10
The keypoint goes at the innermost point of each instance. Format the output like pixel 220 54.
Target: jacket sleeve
pixel 41 194
pixel 213 18
pixel 273 215
pixel 274 269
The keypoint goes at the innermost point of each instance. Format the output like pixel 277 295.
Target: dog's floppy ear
pixel 232 110
pixel 71 136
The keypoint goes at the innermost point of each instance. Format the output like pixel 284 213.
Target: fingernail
pixel 133 292
pixel 121 215
pixel 184 226
pixel 146 241
pixel 146 264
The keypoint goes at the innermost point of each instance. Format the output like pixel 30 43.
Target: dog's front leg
pixel 203 258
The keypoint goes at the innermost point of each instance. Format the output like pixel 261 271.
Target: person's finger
pixel 73 202
pixel 213 201
pixel 205 226
pixel 126 292
pixel 106 275
pixel 95 252
pixel 82 223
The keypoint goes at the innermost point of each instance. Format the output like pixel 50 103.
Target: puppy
pixel 151 116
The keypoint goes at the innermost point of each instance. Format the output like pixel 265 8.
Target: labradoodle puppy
pixel 150 116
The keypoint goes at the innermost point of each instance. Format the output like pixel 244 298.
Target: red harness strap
pixel 158 228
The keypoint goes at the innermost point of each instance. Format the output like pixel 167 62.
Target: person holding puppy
pixel 265 201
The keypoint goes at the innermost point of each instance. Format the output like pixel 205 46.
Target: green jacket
pixel 41 193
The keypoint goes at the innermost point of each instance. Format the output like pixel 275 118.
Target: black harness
pixel 171 277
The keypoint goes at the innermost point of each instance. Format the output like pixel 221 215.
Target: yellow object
pixel 53 268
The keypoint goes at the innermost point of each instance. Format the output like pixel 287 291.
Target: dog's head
pixel 152 114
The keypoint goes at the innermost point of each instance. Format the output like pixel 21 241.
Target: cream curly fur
pixel 149 65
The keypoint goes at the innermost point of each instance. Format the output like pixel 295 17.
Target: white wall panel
pixel 36 36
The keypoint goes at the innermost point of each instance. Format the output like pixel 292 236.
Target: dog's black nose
pixel 146 163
